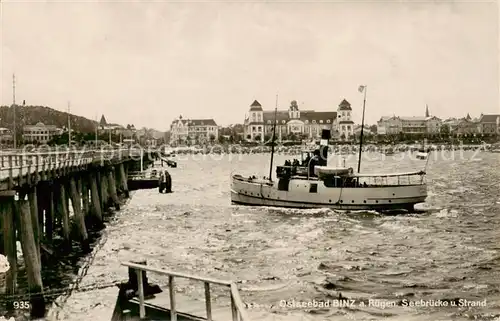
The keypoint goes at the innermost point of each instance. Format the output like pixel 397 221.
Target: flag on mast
pixel 361 88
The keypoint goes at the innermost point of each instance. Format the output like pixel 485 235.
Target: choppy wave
pixel 448 253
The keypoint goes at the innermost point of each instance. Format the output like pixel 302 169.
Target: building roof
pixel 283 115
pixel 384 118
pixel 255 106
pixel 489 118
pixel 40 125
pixel 103 121
pixel 414 118
pixel 202 122
pixel 344 105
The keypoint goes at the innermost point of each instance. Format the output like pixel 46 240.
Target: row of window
pixel 38 138
pixel 328 121
pixel 36 132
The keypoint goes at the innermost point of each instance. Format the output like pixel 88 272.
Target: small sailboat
pixel 311 183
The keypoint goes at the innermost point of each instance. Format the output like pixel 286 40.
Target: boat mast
pixel 363 90
pixel 273 139
pixel 14 132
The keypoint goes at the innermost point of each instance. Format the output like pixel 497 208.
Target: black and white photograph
pixel 314 160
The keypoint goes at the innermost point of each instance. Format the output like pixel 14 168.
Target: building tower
pixel 345 123
pixel 255 125
pixel 293 111
pixel 427 111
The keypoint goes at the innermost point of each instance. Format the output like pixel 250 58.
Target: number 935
pixel 21 305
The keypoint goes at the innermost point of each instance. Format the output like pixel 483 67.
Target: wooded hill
pixel 30 115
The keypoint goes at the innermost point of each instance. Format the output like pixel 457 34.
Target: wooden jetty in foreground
pixel 139 300
pixel 36 190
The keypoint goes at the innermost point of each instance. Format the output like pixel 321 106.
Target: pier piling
pixel 31 259
pixel 123 180
pixel 64 216
pixel 9 244
pixel 112 189
pixel 95 202
pixel 33 205
pixel 49 213
pixel 76 201
pixel 83 187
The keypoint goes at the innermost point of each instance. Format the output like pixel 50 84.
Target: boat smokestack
pixel 323 147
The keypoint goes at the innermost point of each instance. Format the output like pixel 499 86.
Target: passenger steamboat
pixel 311 183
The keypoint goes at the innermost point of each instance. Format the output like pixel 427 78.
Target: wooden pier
pixel 37 191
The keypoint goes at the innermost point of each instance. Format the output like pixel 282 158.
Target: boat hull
pixel 248 192
pixel 137 184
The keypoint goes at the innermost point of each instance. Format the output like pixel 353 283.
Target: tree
pixel 445 130
pixel 342 136
pixel 212 138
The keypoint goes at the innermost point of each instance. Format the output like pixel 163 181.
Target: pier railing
pixel 237 306
pixel 17 164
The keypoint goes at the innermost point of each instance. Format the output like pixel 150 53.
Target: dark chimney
pixel 323 147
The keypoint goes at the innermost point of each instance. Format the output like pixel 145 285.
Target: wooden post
pixel 112 189
pixel 9 243
pixel 30 255
pixel 41 199
pixel 49 212
pixel 104 191
pixel 95 201
pixel 83 187
pixel 33 203
pixel 64 215
pixel 79 217
pixel 123 178
pixel 99 185
pixel 56 195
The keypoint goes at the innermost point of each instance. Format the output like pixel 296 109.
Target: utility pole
pixel 96 127
pixel 69 125
pixel 14 108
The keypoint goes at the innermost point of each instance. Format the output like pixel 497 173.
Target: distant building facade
pixel 193 131
pixel 5 136
pixel 391 125
pixel 104 126
pixel 39 133
pixel 258 124
pixel 489 124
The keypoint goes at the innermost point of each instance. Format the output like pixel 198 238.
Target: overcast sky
pixel 147 63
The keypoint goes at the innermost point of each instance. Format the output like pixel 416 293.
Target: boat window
pixel 313 188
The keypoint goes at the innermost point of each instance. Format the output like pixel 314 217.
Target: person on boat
pixel 306 161
pixel 161 183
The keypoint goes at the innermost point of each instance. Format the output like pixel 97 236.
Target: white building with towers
pixel 297 124
pixel 344 120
